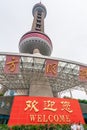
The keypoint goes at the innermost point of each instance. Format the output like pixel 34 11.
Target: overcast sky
pixel 65 24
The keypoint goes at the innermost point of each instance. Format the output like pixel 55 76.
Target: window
pixel 38 21
pixel 38 25
pixel 38 29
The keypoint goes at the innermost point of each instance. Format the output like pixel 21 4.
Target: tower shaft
pixel 38 22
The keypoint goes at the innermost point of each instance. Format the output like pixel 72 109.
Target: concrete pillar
pixel 40 86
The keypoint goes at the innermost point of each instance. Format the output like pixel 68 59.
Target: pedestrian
pixel 74 126
pixel 80 126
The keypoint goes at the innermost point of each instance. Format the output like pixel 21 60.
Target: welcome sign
pixel 44 110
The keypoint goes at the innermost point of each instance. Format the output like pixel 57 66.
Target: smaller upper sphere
pixel 39 7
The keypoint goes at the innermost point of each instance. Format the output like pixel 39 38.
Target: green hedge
pixel 38 127
pixel 4 127
pixel 82 101
pixel 1 94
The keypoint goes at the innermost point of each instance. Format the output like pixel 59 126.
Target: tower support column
pixel 40 86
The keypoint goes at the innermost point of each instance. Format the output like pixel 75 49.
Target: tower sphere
pixel 35 40
pixel 40 8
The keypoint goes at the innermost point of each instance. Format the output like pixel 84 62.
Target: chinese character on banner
pixel 12 64
pixel 83 73
pixel 51 68
pixel 66 106
pixel 31 105
pixel 49 105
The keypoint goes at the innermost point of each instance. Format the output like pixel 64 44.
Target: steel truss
pixel 68 73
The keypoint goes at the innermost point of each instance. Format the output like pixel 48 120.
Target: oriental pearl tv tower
pixel 38 43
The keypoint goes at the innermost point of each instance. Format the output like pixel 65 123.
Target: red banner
pixel 83 73
pixel 42 110
pixel 12 64
pixel 51 68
